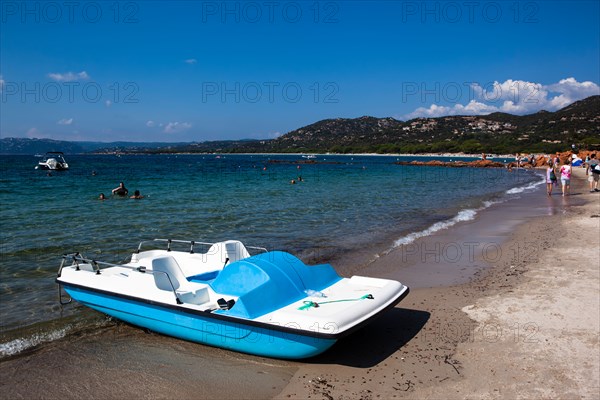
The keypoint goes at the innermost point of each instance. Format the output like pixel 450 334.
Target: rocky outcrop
pixel 456 164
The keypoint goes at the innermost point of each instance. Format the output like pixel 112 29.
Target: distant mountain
pixel 40 146
pixel 37 146
pixel 117 147
pixel 543 131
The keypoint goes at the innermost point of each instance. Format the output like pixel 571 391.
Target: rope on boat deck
pixel 309 304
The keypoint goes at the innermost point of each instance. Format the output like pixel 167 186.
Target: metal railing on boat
pixel 191 243
pixel 77 259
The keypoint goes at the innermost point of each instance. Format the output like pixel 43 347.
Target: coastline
pixel 421 344
pixel 417 155
pixel 525 328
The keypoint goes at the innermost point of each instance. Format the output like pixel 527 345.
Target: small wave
pixel 463 215
pixel 19 345
pixel 528 187
pixel 27 339
pixel 489 203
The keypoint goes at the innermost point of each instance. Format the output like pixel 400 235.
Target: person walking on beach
pixel 586 163
pixel 550 178
pixel 565 177
pixel 593 173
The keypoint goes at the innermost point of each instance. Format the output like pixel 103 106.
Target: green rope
pixel 309 304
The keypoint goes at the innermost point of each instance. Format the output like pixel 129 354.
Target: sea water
pixel 338 204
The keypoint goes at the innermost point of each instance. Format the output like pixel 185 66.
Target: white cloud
pixel 571 88
pixel 176 127
pixel 475 108
pixel 65 121
pixel 472 108
pixel 33 133
pixel 433 111
pixel 514 97
pixel 510 90
pixel 191 61
pixel 68 76
pixel 150 124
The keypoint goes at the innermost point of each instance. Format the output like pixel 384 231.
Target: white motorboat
pixel 269 304
pixel 54 161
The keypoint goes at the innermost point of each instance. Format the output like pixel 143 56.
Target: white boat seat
pixel 234 250
pixel 168 276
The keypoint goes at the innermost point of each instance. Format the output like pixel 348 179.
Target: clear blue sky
pixel 208 70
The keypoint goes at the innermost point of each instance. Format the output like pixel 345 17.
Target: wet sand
pixel 519 319
pixel 125 362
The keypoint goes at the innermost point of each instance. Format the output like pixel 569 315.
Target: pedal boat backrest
pixel 168 276
pixel 234 250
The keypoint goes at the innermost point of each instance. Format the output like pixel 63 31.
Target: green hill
pixel 543 131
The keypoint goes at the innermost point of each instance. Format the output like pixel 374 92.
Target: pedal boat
pixel 270 304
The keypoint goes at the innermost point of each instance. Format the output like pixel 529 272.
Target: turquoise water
pixel 342 204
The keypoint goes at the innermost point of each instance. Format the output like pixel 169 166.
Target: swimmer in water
pixel 137 195
pixel 121 190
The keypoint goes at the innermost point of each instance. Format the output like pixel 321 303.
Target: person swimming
pixel 121 190
pixel 137 195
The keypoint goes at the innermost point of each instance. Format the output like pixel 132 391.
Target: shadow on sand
pixel 377 341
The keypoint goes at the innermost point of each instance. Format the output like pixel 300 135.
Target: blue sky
pixel 210 70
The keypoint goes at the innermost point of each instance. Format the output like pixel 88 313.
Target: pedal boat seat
pixel 168 276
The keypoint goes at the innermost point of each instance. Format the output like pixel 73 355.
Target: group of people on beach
pixel 122 191
pixel 555 173
pixel 521 161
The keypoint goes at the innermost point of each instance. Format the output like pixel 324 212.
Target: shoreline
pixel 440 155
pixel 502 334
pixel 416 257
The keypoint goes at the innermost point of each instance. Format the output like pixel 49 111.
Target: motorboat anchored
pixel 268 304
pixel 53 160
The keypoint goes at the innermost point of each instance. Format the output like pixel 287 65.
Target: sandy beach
pixel 526 328
pixel 504 306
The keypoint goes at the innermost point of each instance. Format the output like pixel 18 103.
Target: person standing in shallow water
pixel 120 190
pixel 550 178
pixel 565 177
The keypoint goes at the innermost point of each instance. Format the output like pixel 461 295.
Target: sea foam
pixel 463 215
pixel 526 188
pixel 19 345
